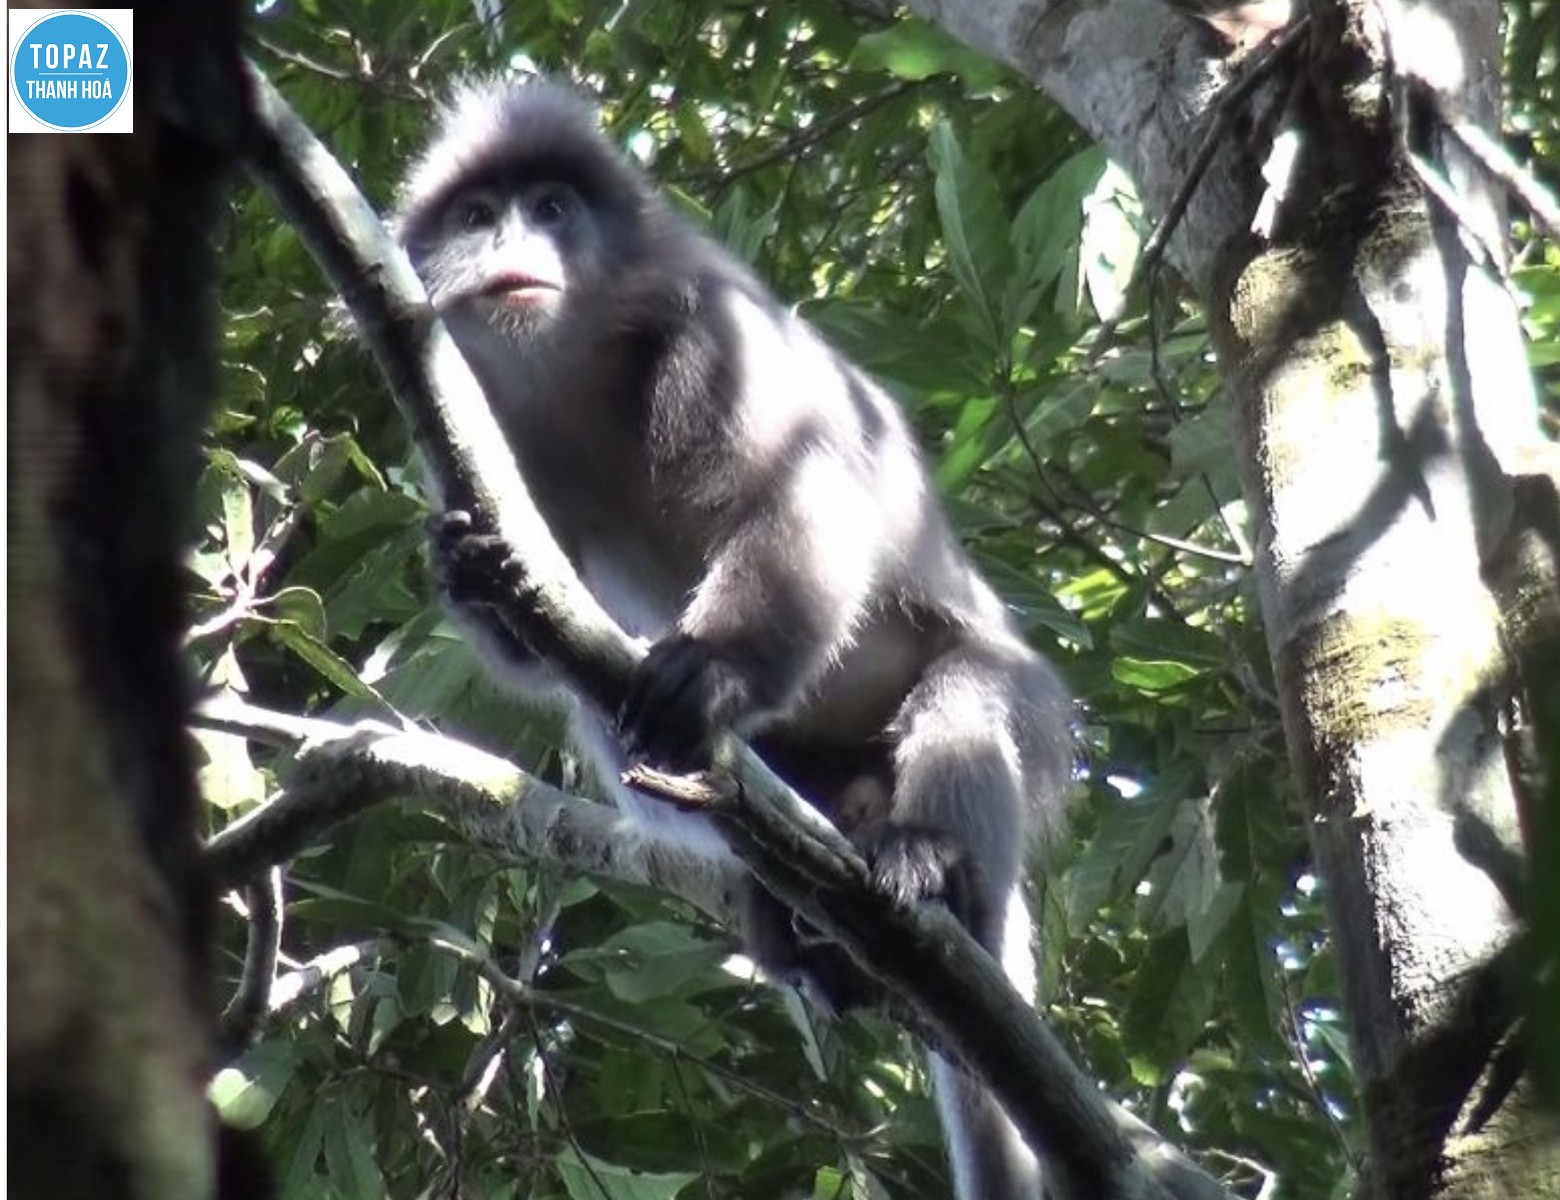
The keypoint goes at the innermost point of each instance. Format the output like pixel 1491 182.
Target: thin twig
pixel 1069 534
pixel 818 131
pixel 293 987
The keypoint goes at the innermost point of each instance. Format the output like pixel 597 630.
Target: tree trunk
pixel 112 342
pixel 1384 420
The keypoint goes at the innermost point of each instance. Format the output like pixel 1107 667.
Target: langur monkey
pixel 735 492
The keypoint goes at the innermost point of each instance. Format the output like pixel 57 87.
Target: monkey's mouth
pixel 517 288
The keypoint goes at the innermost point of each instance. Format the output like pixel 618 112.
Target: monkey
pixel 741 497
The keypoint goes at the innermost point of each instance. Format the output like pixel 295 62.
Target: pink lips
pixel 518 288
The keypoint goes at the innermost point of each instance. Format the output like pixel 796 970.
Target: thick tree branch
pixel 342 770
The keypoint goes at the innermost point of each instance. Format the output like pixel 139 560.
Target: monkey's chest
pixel 602 511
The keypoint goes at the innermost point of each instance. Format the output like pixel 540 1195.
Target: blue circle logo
pixel 70 71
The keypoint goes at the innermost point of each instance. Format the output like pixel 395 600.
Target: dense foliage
pixel 953 232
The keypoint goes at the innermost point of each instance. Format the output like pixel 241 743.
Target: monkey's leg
pixel 962 807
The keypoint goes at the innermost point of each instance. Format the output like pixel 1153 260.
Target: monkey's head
pixel 520 214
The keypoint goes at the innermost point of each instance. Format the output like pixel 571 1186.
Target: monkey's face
pixel 510 261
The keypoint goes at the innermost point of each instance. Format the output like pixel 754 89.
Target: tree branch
pixel 292 989
pixel 244 1012
pixel 342 770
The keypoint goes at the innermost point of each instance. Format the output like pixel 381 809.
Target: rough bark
pixel 112 340
pixel 1385 426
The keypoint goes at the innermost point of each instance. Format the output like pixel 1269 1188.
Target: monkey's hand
pixel 680 698
pixel 481 580
pixel 473 566
pixel 910 863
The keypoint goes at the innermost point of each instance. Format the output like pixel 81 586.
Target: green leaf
pixel 914 50
pixel 1045 236
pixel 919 353
pixel 1151 676
pixel 376 588
pixel 317 466
pixel 246 1092
pixel 1132 833
pixel 1254 827
pixel 301 607
pixel 1035 604
pixel 741 230
pixel 586 1177
pixel 657 959
pixel 1201 443
pixel 691 130
pixel 1184 877
pixel 1111 239
pixel 329 665
pixel 976 437
pixel 1336 1040
pixel 1253 987
pixel 1206 923
pixel 1172 998
pixel 974 229
pixel 357 530
pixel 651 1138
pixel 300 1151
pixel 238 523
pixel 250 472
pixel 805 1022
pixel 1165 640
pixel 348 1141
pixel 371 511
pixel 1095 593
pixel 228 778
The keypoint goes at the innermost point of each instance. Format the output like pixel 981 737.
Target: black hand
pixel 679 698
pixel 473 566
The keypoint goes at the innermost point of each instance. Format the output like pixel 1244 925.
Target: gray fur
pixel 733 490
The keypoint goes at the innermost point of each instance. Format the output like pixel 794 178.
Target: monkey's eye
pixel 552 206
pixel 475 212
